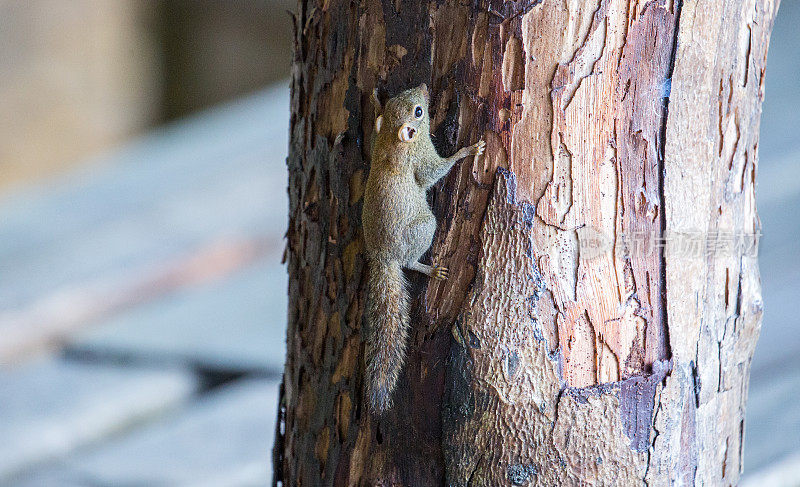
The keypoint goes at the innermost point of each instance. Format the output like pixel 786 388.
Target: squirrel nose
pixel 406 133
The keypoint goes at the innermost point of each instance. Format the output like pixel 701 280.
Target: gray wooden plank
pixel 773 416
pixel 50 323
pixel 220 176
pixel 780 271
pixel 238 323
pixel 772 429
pixel 222 172
pixel 52 407
pixel 778 196
pixel 221 440
pixel 783 473
pixel 781 116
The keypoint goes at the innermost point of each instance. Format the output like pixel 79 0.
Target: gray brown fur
pixel 398 228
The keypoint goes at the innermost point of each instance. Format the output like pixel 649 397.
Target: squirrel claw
pixel 479 147
pixel 439 273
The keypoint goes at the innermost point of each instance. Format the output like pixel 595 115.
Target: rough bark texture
pixel 597 327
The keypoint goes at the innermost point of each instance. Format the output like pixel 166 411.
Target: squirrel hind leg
pixel 434 271
pixel 420 267
pixel 419 236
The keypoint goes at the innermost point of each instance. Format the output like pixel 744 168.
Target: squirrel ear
pixel 424 89
pixel 376 100
pixel 378 123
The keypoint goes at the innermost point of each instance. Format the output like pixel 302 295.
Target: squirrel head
pixel 406 115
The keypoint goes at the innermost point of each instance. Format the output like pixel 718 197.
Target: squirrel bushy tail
pixel 387 332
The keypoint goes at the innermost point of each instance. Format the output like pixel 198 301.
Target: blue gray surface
pixel 92 416
pixel 772 429
pixel 223 439
pixel 50 408
pixel 236 323
pixel 215 176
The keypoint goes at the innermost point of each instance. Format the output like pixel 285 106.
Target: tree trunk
pixel 604 301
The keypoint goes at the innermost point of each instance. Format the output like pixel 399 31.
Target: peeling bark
pixel 577 341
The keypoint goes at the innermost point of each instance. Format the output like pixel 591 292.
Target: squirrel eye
pixel 418 112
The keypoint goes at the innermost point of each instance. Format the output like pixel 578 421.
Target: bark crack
pixel 662 172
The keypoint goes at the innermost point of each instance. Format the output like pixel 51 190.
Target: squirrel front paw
pixel 478 148
pixel 439 273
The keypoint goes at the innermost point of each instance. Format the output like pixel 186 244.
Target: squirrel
pixel 398 228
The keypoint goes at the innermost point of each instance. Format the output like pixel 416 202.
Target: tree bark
pixel 604 301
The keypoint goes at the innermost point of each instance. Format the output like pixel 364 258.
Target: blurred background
pixel 142 213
